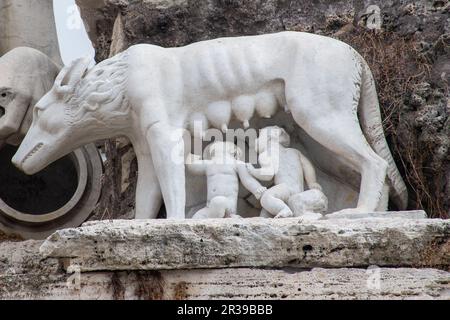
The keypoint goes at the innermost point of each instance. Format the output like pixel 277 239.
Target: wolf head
pixel 82 106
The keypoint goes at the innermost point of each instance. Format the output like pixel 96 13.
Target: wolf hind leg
pixel 338 130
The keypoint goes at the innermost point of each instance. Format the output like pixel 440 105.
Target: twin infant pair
pixel 287 167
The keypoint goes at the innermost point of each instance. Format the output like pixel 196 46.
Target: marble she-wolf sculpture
pixel 147 91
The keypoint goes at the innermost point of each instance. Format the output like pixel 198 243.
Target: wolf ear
pixel 71 75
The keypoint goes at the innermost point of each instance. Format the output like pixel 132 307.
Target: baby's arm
pixel 267 170
pixel 309 172
pixel 195 165
pixel 249 182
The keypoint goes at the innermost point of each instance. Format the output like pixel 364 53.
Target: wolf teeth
pixel 32 152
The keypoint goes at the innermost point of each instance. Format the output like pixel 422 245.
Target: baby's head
pixel 272 135
pixel 221 150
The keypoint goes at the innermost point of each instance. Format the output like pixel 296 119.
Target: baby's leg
pixel 231 205
pixel 265 214
pixel 274 201
pixel 202 214
pixel 215 210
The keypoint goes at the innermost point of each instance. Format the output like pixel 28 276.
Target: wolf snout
pixel 17 162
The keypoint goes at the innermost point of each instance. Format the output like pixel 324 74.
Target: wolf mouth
pixel 32 152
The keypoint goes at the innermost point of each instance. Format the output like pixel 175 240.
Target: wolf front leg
pixel 167 149
pixel 148 192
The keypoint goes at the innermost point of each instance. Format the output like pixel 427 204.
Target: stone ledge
pixel 232 284
pixel 415 214
pixel 267 243
pixel 26 274
pixel 23 257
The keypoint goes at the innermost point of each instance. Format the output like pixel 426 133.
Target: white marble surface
pixel 149 94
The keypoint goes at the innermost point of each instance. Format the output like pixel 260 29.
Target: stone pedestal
pixel 367 258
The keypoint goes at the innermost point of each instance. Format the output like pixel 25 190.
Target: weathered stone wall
pixel 234 259
pixel 225 284
pixel 409 57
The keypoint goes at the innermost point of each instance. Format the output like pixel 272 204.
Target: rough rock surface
pixel 26 274
pixel 227 243
pixel 24 257
pixel 414 101
pixel 225 284
pixel 419 214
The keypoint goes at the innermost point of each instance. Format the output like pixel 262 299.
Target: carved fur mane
pixel 101 88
